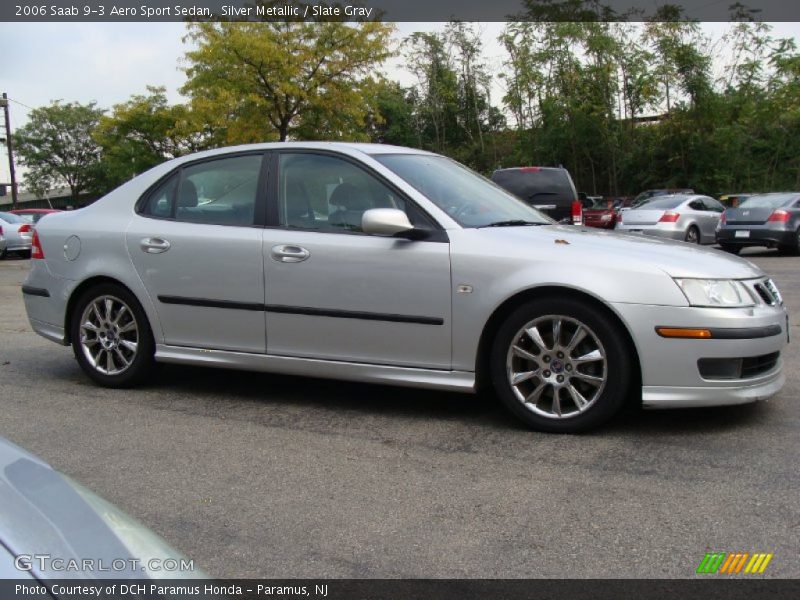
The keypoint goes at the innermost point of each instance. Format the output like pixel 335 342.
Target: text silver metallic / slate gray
pixel 391 265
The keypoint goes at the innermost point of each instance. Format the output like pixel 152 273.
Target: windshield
pixel 9 218
pixel 771 201
pixel 469 199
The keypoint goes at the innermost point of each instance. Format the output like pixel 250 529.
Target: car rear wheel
pixel 692 235
pixel 730 248
pixel 560 365
pixel 111 337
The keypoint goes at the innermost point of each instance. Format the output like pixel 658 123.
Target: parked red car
pixel 33 215
pixel 602 215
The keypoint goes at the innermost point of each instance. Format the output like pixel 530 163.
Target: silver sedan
pixel 16 233
pixel 686 217
pixel 391 265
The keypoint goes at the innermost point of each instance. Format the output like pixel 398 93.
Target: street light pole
pixel 9 144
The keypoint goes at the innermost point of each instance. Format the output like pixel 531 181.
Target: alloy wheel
pixel 109 335
pixel 556 367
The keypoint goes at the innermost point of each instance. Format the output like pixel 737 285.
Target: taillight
pixel 577 212
pixel 24 228
pixel 781 216
pixel 36 246
pixel 723 219
pixel 669 216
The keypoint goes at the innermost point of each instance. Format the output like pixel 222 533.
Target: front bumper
pixel 671 373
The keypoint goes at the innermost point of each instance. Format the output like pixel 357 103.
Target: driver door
pixel 336 293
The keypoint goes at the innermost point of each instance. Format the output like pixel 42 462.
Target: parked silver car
pixel 687 217
pixel 17 233
pixel 51 527
pixel 384 264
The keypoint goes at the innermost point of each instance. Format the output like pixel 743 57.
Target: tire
pixel 692 235
pixel 124 335
pixel 731 248
pixel 3 254
pixel 539 364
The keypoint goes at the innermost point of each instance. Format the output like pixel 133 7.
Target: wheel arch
pixel 80 289
pixel 482 369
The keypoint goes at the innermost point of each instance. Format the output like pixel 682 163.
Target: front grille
pixel 737 368
pixel 765 290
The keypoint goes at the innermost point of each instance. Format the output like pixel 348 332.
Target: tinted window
pixel 713 205
pixel 324 192
pixel 219 192
pixel 536 185
pixel 159 203
pixel 665 202
pixel 767 201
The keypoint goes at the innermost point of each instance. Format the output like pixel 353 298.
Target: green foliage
pixel 57 147
pixel 276 80
pixel 144 132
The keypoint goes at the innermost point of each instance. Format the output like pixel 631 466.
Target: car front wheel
pixel 560 365
pixel 111 337
pixel 692 235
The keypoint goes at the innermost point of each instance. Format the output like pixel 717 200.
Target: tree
pixel 145 131
pixel 257 81
pixel 57 147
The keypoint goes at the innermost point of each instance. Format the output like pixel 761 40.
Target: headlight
pixel 725 293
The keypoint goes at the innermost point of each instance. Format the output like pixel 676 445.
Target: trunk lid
pixel 642 216
pixel 748 216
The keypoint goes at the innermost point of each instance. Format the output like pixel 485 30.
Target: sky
pixel 109 62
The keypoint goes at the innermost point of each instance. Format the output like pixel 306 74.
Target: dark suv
pixel 550 189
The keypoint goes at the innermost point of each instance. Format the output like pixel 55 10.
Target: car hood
pixel 43 512
pixel 640 252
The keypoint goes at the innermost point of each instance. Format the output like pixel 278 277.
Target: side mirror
pixel 385 221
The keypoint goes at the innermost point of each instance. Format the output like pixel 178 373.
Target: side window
pixel 219 192
pixel 327 193
pixel 159 204
pixel 713 205
pixel 697 205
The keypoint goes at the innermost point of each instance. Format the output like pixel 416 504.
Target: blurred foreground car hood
pixel 609 248
pixel 45 513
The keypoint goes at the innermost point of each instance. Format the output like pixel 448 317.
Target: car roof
pixel 364 148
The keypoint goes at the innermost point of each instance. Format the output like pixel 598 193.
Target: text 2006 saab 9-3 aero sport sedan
pixel 384 264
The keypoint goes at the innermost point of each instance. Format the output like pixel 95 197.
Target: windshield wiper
pixel 512 223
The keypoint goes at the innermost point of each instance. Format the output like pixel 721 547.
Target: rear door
pixel 196 245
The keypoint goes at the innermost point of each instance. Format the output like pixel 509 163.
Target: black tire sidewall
pixel 697 233
pixel 142 365
pixel 617 353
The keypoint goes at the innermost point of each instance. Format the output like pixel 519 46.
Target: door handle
pixel 154 245
pixel 289 254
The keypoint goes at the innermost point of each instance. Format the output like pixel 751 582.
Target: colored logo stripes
pixel 732 563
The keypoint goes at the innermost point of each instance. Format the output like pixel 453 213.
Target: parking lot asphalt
pixel 256 475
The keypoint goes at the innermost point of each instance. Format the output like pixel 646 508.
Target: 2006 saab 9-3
pixel 383 264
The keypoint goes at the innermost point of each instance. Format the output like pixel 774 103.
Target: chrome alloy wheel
pixel 556 366
pixel 109 335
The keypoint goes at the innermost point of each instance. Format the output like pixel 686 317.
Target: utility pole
pixel 10 146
